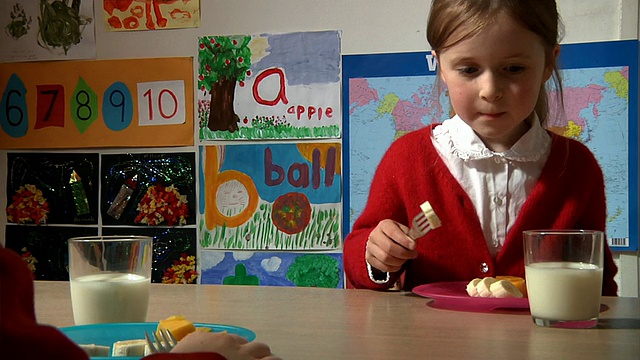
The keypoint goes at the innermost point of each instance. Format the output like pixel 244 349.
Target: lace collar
pixel 458 138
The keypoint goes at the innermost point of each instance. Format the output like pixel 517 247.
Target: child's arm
pixel 379 243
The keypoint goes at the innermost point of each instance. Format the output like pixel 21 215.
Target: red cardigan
pixel 569 194
pixel 21 337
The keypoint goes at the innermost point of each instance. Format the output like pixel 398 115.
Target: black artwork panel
pixel 68 185
pixel 45 247
pixel 137 175
pixel 169 246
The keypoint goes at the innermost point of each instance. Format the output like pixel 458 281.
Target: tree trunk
pixel 222 116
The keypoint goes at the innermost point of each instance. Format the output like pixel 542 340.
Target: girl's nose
pixel 490 87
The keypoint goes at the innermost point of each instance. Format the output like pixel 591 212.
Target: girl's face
pixel 494 79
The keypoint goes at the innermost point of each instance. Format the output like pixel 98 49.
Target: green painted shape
pixel 223 57
pixel 84 106
pixel 241 277
pixel 314 270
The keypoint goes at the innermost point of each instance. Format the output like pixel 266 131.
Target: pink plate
pixel 453 296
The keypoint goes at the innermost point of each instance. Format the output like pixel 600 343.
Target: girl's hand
pixel 389 246
pixel 231 346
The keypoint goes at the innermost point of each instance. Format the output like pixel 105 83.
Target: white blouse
pixel 497 183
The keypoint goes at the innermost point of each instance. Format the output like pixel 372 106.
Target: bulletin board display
pixel 97 103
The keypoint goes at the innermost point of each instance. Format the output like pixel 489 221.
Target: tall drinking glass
pixel 110 278
pixel 563 270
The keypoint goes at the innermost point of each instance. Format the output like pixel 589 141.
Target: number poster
pixel 106 103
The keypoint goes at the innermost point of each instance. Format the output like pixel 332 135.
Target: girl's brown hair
pixel 452 21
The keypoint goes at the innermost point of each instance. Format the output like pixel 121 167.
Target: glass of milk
pixel 110 278
pixel 563 270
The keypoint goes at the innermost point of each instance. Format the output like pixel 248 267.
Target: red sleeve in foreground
pixel 21 337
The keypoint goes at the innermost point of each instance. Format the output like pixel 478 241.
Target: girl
pixel 489 172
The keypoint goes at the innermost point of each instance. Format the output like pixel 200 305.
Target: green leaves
pixel 223 58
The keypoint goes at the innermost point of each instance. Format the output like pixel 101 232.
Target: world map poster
pixel 388 95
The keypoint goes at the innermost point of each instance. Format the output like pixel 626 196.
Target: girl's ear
pixel 552 63
pixel 439 69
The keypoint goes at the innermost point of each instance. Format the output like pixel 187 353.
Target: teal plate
pixel 107 334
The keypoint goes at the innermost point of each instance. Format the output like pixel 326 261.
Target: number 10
pixel 161 103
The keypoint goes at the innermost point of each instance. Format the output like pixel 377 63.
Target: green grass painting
pixel 259 233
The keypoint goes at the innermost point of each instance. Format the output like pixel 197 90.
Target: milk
pixel 110 297
pixel 564 290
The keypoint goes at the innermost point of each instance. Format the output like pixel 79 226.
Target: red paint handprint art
pixel 123 15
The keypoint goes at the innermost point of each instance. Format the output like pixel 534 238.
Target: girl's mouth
pixel 492 115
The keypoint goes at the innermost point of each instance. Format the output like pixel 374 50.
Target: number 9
pixel 117 107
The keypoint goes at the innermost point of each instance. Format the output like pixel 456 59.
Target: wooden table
pixel 313 323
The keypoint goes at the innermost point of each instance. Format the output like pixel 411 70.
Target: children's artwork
pixel 270 196
pixel 127 15
pixel 44 248
pixel 272 268
pixel 35 30
pixel 269 86
pixel 52 188
pixel 174 253
pixel 106 103
pixel 148 189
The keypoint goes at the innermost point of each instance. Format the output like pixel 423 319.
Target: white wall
pixel 368 26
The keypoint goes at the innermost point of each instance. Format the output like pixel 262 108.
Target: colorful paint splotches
pixel 129 15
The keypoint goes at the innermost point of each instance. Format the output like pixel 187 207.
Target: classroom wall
pixel 367 26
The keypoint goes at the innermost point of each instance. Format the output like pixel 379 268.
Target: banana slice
pixel 516 281
pixel 434 220
pixel 504 289
pixel 95 350
pixel 471 287
pixel 136 347
pixel 484 285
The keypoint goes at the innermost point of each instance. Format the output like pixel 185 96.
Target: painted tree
pixel 223 61
pixel 314 270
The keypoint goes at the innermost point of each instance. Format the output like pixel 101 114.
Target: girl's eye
pixel 515 69
pixel 467 70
